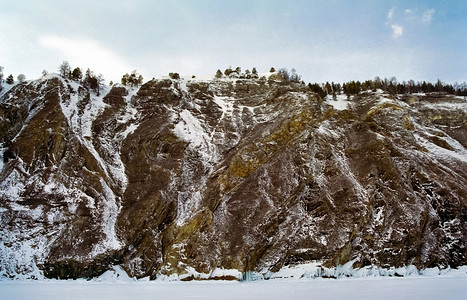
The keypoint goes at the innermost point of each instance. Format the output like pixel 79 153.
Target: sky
pixel 324 40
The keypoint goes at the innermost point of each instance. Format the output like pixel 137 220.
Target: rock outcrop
pixel 251 175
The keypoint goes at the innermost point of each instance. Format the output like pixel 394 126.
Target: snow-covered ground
pixel 349 288
pixel 341 102
pixel 290 283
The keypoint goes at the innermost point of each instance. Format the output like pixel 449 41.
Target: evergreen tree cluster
pixel 391 86
pixel 90 80
pixel 174 75
pixel 291 76
pixel 133 79
pixel 237 73
pixel 318 89
pixel 350 88
pixel 10 79
pixel 282 75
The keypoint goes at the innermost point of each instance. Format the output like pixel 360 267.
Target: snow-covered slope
pixel 219 178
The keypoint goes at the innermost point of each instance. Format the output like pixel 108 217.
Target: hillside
pixel 193 176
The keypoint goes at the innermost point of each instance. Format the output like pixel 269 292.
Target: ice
pixel 190 129
pixel 116 275
pixel 225 105
pixel 117 286
pixel 111 145
pixel 110 210
pixel 1 157
pixel 81 125
pixel 192 273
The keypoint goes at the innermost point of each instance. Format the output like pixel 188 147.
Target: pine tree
pixel 219 74
pixel 174 75
pixel 439 86
pixel 125 79
pixel 411 86
pixel 10 79
pixel 94 84
pixel 316 88
pixel 254 73
pixel 328 88
pixel 76 75
pixel 377 84
pixel 140 79
pixel 272 70
pixel 88 78
pixel 134 79
pixel 228 71
pixel 366 85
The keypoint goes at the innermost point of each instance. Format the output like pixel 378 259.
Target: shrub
pixel 174 75
pixel 228 71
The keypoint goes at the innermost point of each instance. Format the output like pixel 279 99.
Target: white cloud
pixel 416 17
pixel 84 53
pixel 397 30
pixel 428 16
pixel 391 13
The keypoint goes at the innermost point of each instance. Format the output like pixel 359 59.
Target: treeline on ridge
pixel 95 82
pixel 391 86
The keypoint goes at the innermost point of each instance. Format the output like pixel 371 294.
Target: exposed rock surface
pixel 250 175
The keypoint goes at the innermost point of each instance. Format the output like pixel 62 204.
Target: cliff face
pixel 250 175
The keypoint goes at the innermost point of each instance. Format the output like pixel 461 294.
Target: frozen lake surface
pixel 347 288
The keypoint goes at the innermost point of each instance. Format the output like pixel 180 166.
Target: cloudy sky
pixel 324 40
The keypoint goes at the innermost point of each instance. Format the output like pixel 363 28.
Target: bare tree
pixel 21 78
pixel 1 77
pixel 284 73
pixel 294 77
pixel 100 83
pixel 65 69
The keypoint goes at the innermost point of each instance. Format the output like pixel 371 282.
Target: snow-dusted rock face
pixel 191 176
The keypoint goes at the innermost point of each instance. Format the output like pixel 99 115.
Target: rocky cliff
pixel 183 176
